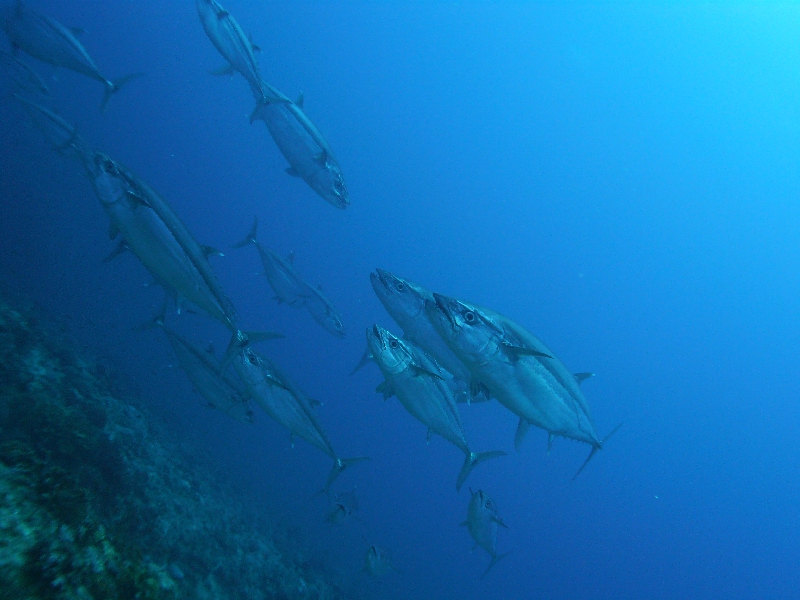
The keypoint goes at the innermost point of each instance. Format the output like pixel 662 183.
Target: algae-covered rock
pixel 95 503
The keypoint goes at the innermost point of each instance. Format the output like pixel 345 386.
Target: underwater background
pixel 619 179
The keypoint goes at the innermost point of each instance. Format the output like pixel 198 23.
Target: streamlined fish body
pixel 377 562
pixel 482 522
pixel 418 383
pixel 23 75
pixel 323 311
pixel 308 154
pixel 232 43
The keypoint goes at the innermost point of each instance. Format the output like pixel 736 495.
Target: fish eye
pixel 488 504
pixel 400 286
pixel 469 317
pixel 394 344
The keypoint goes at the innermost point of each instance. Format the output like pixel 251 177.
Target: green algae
pixel 95 503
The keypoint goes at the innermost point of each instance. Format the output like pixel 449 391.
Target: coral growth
pixel 95 503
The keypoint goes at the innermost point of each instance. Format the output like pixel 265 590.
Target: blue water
pixel 622 180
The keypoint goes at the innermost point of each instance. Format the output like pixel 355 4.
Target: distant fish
pixel 284 401
pixel 23 75
pixel 510 364
pixel 345 506
pixel 377 562
pixel 417 382
pixel 48 40
pixel 290 288
pixel 59 133
pixel 219 390
pixel 309 156
pixel 232 43
pixel 482 521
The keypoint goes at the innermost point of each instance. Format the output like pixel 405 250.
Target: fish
pixel 220 391
pixel 522 374
pixel 175 260
pixel 287 284
pixel 284 401
pixel 292 289
pixel 323 311
pixel 23 75
pixel 405 300
pixel 49 41
pixel 232 43
pixel 377 562
pixel 417 382
pixel 345 505
pixel 309 156
pixel 482 522
pixel 61 135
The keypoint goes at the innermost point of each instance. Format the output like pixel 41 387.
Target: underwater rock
pixel 97 502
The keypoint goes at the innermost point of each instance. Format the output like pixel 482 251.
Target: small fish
pixel 482 522
pixel 377 562
pixel 323 311
pixel 345 505
pixel 49 41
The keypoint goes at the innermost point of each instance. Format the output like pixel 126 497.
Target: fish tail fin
pixel 339 465
pixel 113 86
pixel 595 449
pixel 365 358
pixel 522 429
pixel 260 104
pixel 471 460
pixel 250 238
pixel 495 559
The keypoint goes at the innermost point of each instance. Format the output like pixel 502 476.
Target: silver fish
pixel 232 43
pixel 23 75
pixel 59 133
pixel 502 364
pixel 323 311
pixel 286 403
pixel 377 562
pixel 289 287
pixel 482 522
pixel 49 41
pixel 308 154
pixel 345 506
pixel 417 382
pixel 219 390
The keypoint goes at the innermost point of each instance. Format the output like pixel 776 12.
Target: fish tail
pixel 471 460
pixel 495 559
pixel 250 238
pixel 365 358
pixel 595 449
pixel 113 86
pixel 260 104
pixel 339 465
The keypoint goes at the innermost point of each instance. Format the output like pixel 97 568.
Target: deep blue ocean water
pixel 620 179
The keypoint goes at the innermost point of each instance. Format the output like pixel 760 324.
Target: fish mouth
pixel 378 334
pixel 442 303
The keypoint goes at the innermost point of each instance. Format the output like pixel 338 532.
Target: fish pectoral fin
pixel 476 387
pixel 420 371
pixel 314 403
pixel 581 377
pixel 120 249
pixel 428 436
pixel 499 521
pixel 137 198
pixel 290 256
pixel 292 171
pixel 322 158
pixel 262 336
pixel 300 100
pixel 365 358
pixel 222 14
pixel 385 388
pixel 521 351
pixel 522 429
pixel 550 439
pixel 210 251
pixel 463 524
pixel 113 231
pixel 77 31
pixel 223 71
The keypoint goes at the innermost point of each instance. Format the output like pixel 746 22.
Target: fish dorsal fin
pixel 120 249
pixel 385 388
pixel 77 31
pixel 290 257
pixel 222 14
pixel 314 403
pixel 300 100
pixel 521 351
pixel 581 377
pixel 210 251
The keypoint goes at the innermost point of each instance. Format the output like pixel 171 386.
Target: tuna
pixel 308 154
pixel 59 133
pixel 323 311
pixel 345 506
pixel 482 522
pixel 418 383
pixel 521 373
pixel 377 562
pixel 23 75
pixel 284 401
pixel 232 43
pixel 49 41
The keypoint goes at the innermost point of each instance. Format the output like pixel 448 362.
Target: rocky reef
pixel 96 502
